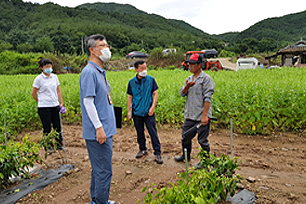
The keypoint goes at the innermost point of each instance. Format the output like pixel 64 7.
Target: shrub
pixel 16 158
pixel 225 53
pixel 208 185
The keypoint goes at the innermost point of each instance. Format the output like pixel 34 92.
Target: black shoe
pixel 141 153
pixel 181 158
pixel 158 159
pixel 200 165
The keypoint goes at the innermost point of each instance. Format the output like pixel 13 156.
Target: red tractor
pixel 214 65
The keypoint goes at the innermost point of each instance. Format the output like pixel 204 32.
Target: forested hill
pixel 28 27
pixel 130 15
pixel 289 28
pixel 123 25
pixel 120 8
pixel 129 9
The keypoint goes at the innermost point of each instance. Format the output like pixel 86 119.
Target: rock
pixel 239 186
pixel 128 172
pixel 251 179
pixel 293 196
pixel 244 197
pixel 264 188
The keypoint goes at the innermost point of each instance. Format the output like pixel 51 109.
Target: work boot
pixel 200 165
pixel 141 153
pixel 158 159
pixel 181 158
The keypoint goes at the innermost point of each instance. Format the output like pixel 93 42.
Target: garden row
pixel 259 101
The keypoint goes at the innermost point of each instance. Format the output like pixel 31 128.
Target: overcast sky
pixel 211 16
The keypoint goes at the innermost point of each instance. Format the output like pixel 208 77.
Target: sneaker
pixel 141 153
pixel 181 158
pixel 109 202
pixel 200 165
pixel 158 159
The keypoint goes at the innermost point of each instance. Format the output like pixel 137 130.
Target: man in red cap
pixel 198 89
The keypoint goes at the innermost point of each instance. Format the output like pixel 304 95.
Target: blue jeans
pixel 150 122
pixel 100 156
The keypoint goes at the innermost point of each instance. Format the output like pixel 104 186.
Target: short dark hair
pixel 138 62
pixel 43 62
pixel 91 41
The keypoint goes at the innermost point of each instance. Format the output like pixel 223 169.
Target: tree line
pixel 52 28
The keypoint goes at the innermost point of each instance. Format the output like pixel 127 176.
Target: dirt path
pixel 226 63
pixel 278 164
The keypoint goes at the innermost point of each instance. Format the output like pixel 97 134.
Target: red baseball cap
pixel 195 58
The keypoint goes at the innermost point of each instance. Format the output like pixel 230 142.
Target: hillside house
pixel 292 55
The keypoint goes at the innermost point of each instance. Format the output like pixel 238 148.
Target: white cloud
pixel 211 16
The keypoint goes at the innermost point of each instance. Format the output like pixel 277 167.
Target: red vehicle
pixel 206 65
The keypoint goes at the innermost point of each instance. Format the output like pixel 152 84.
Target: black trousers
pixel 203 133
pixel 50 116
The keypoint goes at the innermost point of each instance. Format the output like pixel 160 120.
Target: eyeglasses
pixel 103 45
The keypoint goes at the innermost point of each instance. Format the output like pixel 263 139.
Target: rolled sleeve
pixel 209 90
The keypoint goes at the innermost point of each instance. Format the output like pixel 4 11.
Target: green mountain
pixel 228 37
pixel 120 8
pixel 125 27
pixel 28 27
pixel 291 28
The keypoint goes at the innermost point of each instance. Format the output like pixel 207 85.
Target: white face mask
pixel 143 73
pixel 106 54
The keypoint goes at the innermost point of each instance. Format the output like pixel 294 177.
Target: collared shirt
pixel 47 90
pixel 201 92
pixel 142 90
pixel 92 84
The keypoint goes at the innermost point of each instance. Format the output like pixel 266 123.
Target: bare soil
pixel 276 163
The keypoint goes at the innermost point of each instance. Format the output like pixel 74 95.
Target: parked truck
pixel 213 65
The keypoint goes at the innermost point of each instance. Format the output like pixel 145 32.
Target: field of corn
pixel 259 101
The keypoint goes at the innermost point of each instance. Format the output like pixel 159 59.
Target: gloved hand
pixel 63 110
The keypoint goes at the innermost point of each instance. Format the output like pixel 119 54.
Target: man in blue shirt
pixel 142 99
pixel 98 118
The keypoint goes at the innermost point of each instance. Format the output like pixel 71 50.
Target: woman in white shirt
pixel 46 92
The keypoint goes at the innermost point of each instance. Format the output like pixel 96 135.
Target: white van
pixel 167 51
pixel 246 63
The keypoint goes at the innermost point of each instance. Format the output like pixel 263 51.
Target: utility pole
pixel 82 44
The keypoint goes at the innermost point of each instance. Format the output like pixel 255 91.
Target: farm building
pixel 292 55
